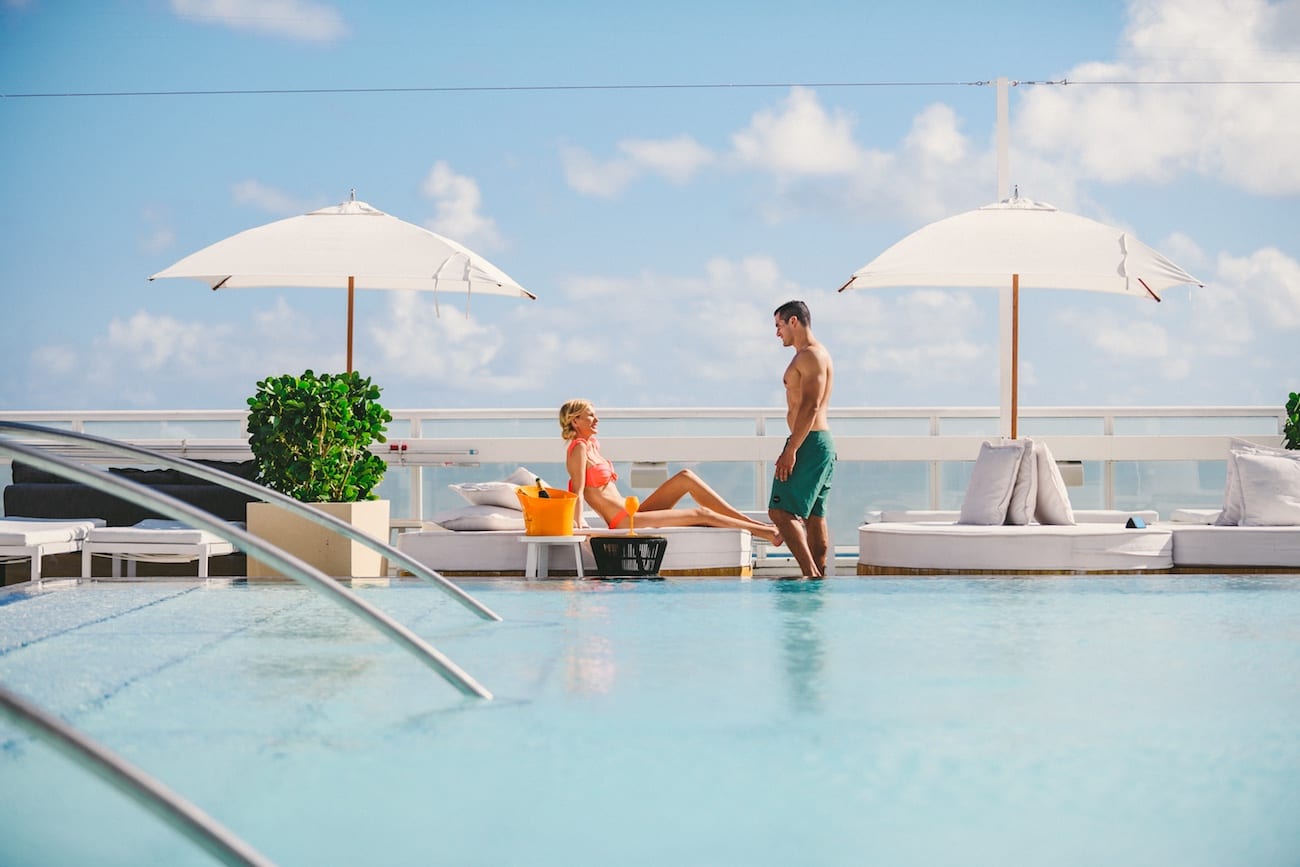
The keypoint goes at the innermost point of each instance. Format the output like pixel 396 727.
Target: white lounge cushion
pixel 691 550
pixel 157 531
pixel 497 493
pixel 1200 545
pixel 989 493
pixel 27 532
pixel 1232 501
pixel 1080 516
pixel 1024 495
pixel 477 518
pixel 1053 504
pixel 1270 490
pixel 962 548
pixel 1195 516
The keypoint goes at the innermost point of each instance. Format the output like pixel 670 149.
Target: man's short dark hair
pixel 797 309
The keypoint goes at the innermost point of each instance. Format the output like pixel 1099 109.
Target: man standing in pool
pixel 806 464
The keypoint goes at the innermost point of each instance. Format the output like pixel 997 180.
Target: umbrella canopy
pixel 1019 242
pixel 352 246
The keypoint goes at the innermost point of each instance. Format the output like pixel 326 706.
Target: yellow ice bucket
pixel 547 516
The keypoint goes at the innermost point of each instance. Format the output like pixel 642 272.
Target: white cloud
pixel 158 231
pixel 1270 280
pixel 588 175
pixel 458 202
pixel 268 199
pixel 799 137
pixel 1240 134
pixel 302 20
pixel 677 159
pixel 818 167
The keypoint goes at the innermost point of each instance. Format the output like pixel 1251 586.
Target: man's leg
pixel 819 542
pixel 792 530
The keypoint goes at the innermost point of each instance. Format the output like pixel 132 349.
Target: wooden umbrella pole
pixel 351 293
pixel 1015 353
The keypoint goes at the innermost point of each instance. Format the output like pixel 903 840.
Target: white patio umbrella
pixel 1022 243
pixel 352 246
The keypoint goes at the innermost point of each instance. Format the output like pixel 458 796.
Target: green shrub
pixel 311 436
pixel 1291 430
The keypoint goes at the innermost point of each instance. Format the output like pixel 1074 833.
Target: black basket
pixel 628 555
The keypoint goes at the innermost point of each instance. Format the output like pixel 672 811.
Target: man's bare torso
pixel 811 362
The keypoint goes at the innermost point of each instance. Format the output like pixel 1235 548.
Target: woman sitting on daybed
pixel 592 477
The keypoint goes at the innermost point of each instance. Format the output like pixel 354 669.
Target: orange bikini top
pixel 599 470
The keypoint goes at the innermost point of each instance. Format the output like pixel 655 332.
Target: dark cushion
pixel 79 501
pixel 38 494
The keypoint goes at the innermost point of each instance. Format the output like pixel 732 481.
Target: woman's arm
pixel 577 466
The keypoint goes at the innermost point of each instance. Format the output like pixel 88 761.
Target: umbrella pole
pixel 351 293
pixel 1015 352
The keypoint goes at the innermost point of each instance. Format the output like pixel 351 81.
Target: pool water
pixel 1063 721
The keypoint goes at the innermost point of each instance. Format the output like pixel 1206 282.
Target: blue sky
pixel 658 227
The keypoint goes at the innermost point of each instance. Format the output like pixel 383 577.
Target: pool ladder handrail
pixel 192 822
pixel 265 494
pixel 275 557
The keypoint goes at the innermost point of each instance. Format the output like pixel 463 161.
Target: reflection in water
pixel 589 660
pixel 799 603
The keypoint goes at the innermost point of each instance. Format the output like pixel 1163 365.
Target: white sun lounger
pixel 153 540
pixel 33 538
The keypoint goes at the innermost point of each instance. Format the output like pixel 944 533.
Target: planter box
pixel 329 552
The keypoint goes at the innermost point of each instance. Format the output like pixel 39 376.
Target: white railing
pixel 421 438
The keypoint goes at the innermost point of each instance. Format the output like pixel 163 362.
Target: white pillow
pixel 991 483
pixel 489 494
pixel 1053 505
pixel 1270 490
pixel 480 518
pixel 1024 496
pixel 525 476
pixel 497 493
pixel 1232 505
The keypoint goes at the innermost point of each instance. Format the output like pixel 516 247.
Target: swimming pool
pixel 1146 720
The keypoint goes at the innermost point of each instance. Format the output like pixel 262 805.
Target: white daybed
pixel 1016 518
pixel 692 552
pixel 940 548
pixel 482 538
pixel 33 538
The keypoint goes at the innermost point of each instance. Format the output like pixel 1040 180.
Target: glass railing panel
pixel 500 428
pixel 1169 485
pixel 167 429
pixel 969 427
pixel 1195 426
pixel 874 427
pixel 1061 426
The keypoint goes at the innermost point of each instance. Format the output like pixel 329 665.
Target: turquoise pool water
pixel 1063 721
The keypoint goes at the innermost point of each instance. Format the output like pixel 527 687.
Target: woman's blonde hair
pixel 568 412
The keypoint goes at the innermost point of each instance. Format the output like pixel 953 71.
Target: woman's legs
pixel 702 517
pixel 687 483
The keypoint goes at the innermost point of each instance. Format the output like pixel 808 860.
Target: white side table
pixel 537 563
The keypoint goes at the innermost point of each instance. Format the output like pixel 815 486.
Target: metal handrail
pixel 286 563
pixel 233 482
pixel 196 825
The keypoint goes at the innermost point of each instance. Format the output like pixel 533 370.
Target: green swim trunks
pixel 804 493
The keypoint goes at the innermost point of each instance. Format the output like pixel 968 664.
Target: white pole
pixel 1006 311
